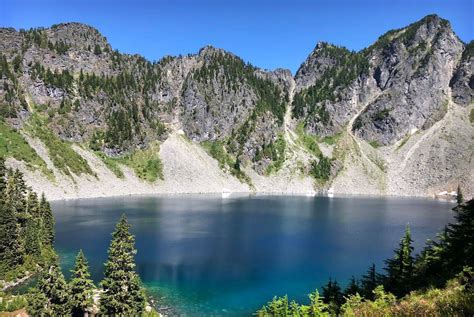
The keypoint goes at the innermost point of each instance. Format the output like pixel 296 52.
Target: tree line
pixel 410 285
pixel 121 292
pixel 26 246
pixel 26 226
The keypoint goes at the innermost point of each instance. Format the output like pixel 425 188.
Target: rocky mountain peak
pixel 77 35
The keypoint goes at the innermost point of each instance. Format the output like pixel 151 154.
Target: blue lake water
pixel 205 255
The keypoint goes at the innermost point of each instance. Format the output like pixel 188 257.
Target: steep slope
pixel 383 98
pixel 394 118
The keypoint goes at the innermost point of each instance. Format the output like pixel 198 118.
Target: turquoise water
pixel 205 255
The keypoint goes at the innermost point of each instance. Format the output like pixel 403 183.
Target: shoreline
pixel 230 195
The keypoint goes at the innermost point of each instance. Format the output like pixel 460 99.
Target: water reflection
pixel 214 255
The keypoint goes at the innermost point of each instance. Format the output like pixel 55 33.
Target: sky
pixel 268 33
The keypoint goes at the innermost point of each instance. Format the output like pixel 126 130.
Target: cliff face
pixel 345 119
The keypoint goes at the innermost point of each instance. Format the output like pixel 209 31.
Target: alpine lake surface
pixel 205 255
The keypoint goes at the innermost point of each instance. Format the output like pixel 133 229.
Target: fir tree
pixel 352 288
pixel 3 174
pixel 32 237
pixel 400 268
pixel 48 221
pixel 459 197
pixel 332 296
pixel 11 248
pixel 54 287
pixel 38 303
pixel 81 286
pixel 369 282
pixel 123 294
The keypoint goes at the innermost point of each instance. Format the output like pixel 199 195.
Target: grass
pixel 60 152
pixel 13 144
pixel 404 141
pixel 145 163
pixel 307 141
pixel 471 116
pixel 111 163
pixel 375 144
pixel 11 303
pixel 332 139
pixel 279 147
pixel 226 161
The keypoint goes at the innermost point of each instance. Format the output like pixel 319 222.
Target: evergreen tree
pixel 332 296
pixel 369 282
pixel 11 248
pixel 123 294
pixel 54 287
pixel 81 287
pixel 352 288
pixel 459 197
pixel 441 260
pixel 400 268
pixel 38 303
pixel 48 221
pixel 3 174
pixel 32 237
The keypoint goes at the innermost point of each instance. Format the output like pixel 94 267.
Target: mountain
pixel 83 120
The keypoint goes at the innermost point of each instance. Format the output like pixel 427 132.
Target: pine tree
pixel 400 268
pixel 82 287
pixel 123 294
pixel 48 221
pixel 459 196
pixel 54 287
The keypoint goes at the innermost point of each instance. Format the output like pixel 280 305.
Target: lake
pixel 213 256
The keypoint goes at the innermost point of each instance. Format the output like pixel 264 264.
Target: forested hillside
pixel 77 114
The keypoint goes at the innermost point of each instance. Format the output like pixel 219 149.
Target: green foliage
pixel 63 156
pixel 347 67
pixel 237 72
pixel 375 144
pixel 54 288
pixel 226 161
pixel 381 114
pixel 332 139
pixel 63 80
pixel 276 152
pixel 23 228
pixel 82 288
pixel 13 144
pixel 441 260
pixel 97 50
pixel 123 293
pixel 321 169
pixel 145 163
pixel 332 296
pixel 459 196
pixel 400 267
pixel 307 140
pixel 11 303
pixel 47 233
pixel 111 163
pixel 280 307
pixel 468 50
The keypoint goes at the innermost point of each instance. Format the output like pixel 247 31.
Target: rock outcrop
pixel 345 119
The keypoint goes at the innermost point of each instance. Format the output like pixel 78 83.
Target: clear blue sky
pixel 269 34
